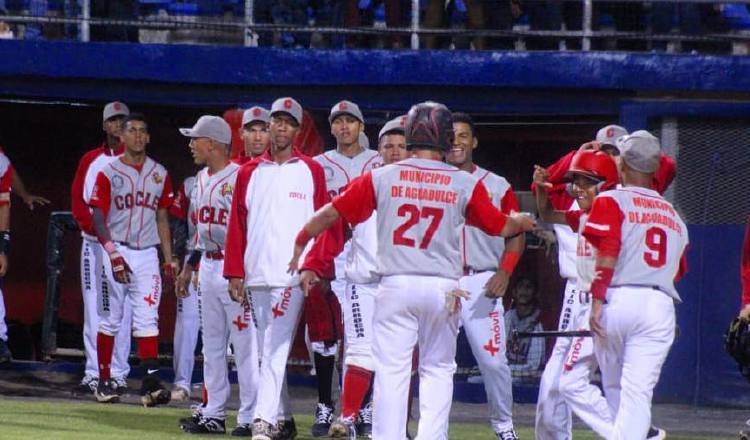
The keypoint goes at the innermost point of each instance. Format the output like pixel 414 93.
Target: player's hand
pixel 237 290
pixel 196 280
pixel 308 279
pixel 3 265
pixel 744 313
pixel 294 262
pixel 525 222
pixel 497 284
pixel 541 177
pixel 32 199
pixel 120 269
pixel 593 145
pixel 595 321
pixel 453 300
pixel 181 283
pixel 170 274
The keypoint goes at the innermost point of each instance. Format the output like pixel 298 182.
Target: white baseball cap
pixel 255 114
pixel 397 125
pixel 115 108
pixel 345 108
pixel 609 134
pixel 640 150
pixel 289 106
pixel 212 127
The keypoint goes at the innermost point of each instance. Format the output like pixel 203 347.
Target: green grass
pixel 36 419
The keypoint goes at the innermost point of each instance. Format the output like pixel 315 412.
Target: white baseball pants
pixel 553 416
pixel 186 328
pixel 583 397
pixel 482 319
pixel 277 312
pixel 93 262
pixel 411 310
pixel 143 293
pixel 358 310
pixel 640 328
pixel 227 321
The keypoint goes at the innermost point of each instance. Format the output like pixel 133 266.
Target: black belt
pixel 135 248
pixel 468 270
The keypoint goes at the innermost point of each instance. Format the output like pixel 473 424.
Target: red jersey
pixel 83 184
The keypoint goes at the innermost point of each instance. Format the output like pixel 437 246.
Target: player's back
pixel 653 240
pixel 421 207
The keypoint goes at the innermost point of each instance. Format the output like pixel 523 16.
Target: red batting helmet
pixel 429 125
pixel 595 165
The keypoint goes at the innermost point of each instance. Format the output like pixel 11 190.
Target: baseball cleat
pixel 5 355
pixel 343 427
pixel 243 430
pixel 180 394
pixel 364 425
pixel 656 434
pixel 508 434
pixel 286 430
pixel 262 430
pixel 121 385
pixel 106 392
pixel 323 420
pixel 87 386
pixel 194 417
pixel 205 425
pixel 744 435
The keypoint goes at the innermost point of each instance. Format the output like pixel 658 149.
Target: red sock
pixel 104 345
pixel 148 348
pixel 205 395
pixel 356 383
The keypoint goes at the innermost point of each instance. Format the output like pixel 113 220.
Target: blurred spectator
pixel 35 31
pixel 499 15
pixel 328 13
pixel 435 17
pixel 691 19
pixel 626 17
pixel 524 354
pixel 115 10
pixel 289 12
pixel 362 12
pixel 550 15
pixel 6 32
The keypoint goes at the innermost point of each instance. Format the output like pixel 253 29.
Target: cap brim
pixel 343 112
pixel 187 132
pixel 286 113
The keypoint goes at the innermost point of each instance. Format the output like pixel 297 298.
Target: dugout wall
pixel 532 108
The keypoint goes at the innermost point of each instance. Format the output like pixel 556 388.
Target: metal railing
pixel 250 29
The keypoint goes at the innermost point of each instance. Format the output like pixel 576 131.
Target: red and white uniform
pixel 225 320
pixel 422 207
pixel 271 202
pixel 481 317
pixel 6 176
pixel 93 261
pixel 649 239
pixel 187 319
pixel 129 198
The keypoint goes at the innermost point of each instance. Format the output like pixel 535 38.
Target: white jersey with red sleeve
pixel 652 237
pixel 213 203
pixel 339 171
pixel 83 185
pixel 129 197
pixel 422 208
pixel 271 203
pixel 481 251
pixel 183 207
pixel 585 253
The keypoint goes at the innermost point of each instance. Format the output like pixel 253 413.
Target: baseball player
pixel 359 301
pixel 422 206
pixel 591 172
pixel 130 201
pixel 254 134
pixel 93 281
pixel 6 171
pixel 226 320
pixel 275 194
pixel 187 319
pixel 347 161
pixel 488 265
pixel 639 241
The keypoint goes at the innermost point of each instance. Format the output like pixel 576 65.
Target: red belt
pixel 215 255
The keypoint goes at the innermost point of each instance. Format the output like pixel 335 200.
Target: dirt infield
pixel 676 419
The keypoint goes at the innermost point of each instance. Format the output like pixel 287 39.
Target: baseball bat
pixel 552 334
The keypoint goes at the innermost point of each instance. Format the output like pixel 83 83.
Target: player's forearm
pixel 546 212
pixel 5 217
pixel 162 226
pixel 179 233
pixel 323 219
pixel 18 186
pixel 605 267
pixel 100 227
pixel 514 247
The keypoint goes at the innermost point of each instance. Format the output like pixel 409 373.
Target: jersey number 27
pixel 413 216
